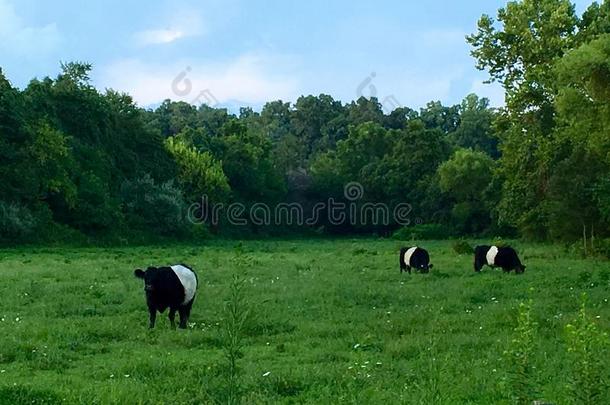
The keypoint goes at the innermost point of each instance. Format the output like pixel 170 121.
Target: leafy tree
pixel 246 159
pixel 520 54
pixel 311 118
pixel 152 207
pixel 437 116
pixel 364 110
pixel 475 130
pixel 578 197
pixel 198 172
pixel 399 118
pixel 466 178
pixel 275 118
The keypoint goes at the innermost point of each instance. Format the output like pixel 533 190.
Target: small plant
pixel 521 370
pixel 461 247
pixel 587 347
pixel 236 315
pixel 499 242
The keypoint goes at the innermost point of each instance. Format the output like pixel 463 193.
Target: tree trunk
pixel 584 237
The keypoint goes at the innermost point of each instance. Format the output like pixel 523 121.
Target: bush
pixel 461 247
pixel 587 346
pixel 425 231
pixel 521 381
pixel 153 207
pixel 601 247
pixel 16 222
pixel 499 242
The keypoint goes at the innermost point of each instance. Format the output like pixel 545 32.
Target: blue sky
pixel 249 52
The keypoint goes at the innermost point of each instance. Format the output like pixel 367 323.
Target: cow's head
pixel 147 276
pixel 520 269
pixel 425 268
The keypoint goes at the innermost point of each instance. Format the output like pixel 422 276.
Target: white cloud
pixel 246 78
pixel 17 38
pixel 151 37
pixel 182 25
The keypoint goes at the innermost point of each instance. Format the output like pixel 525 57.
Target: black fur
pixel 420 260
pixel 507 259
pixel 164 290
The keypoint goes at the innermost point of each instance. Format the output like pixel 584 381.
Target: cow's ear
pixel 139 273
pixel 430 266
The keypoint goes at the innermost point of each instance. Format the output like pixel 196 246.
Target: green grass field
pixel 330 322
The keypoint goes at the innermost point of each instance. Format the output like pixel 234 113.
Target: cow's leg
pixel 409 269
pixel 152 316
pixel 477 266
pixel 172 317
pixel 185 312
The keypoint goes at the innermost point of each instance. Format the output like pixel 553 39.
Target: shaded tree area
pixel 553 132
pixel 79 163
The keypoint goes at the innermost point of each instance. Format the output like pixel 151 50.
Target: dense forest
pixel 80 164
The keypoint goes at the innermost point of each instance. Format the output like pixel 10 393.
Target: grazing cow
pixel 415 257
pixel 172 287
pixel 493 256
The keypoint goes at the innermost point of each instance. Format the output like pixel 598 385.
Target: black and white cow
pixel 414 257
pixel 172 287
pixel 494 256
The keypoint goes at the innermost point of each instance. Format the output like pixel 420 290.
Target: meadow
pixel 328 321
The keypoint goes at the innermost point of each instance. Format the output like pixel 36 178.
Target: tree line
pixel 80 163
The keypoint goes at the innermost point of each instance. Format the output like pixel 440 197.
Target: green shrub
pixel 155 207
pixel 461 247
pixel 601 247
pixel 16 222
pixel 499 242
pixel 232 336
pixel 588 349
pixel 424 231
pixel 521 380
